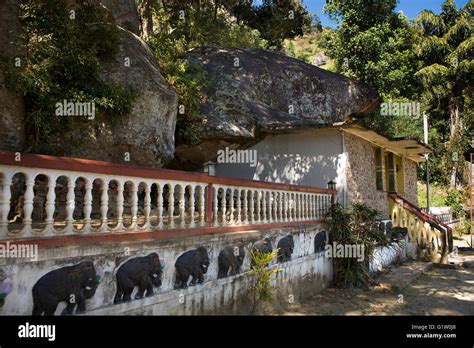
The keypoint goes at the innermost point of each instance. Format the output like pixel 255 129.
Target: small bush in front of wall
pixel 356 227
pixel 261 289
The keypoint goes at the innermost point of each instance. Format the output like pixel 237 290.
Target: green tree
pixel 445 48
pixel 276 20
pixel 373 44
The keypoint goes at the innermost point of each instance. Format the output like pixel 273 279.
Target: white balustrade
pixel 118 203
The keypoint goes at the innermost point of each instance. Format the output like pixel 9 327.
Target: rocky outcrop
pixel 12 108
pixel 146 135
pixel 252 93
pixel 124 12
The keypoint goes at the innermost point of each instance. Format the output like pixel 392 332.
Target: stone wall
pixel 360 175
pixel 411 189
pixel 307 271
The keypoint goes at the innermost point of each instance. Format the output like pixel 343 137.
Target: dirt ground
pixel 436 291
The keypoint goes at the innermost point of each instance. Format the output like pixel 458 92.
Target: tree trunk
pixel 216 6
pixel 146 18
pixel 455 129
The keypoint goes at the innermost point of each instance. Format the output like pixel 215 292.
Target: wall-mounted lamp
pixel 210 168
pixel 331 185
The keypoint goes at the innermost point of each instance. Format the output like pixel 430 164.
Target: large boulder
pixel 251 93
pixel 146 135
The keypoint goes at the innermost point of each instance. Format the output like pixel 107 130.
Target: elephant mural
pixel 71 284
pixel 230 259
pixel 192 263
pixel 320 241
pixel 285 246
pixel 263 246
pixel 143 272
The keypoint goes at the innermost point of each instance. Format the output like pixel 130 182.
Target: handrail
pixel 102 167
pixel 426 217
pixel 424 234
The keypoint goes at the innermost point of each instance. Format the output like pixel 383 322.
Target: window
pixel 400 176
pixel 390 171
pixel 378 169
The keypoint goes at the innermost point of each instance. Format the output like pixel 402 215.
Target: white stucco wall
pixel 306 273
pixel 311 157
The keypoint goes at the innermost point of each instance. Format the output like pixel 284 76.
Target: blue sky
pixel 410 8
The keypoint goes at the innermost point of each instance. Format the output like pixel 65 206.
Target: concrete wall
pixel 386 256
pixel 312 157
pixel 305 273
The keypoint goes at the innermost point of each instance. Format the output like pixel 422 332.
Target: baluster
pixel 104 206
pixel 264 206
pixel 280 206
pixel 258 202
pixel 304 197
pixel 251 217
pixel 159 205
pixel 224 206
pixel 231 206
pixel 245 215
pixel 318 206
pixel 301 195
pixel 134 207
pixel 201 205
pixel 310 206
pixel 297 206
pixel 119 207
pixel 147 207
pixel 285 206
pixel 171 204
pixel 269 205
pixel 274 206
pixel 5 204
pixel 239 207
pixel 192 208
pixel 215 207
pixel 70 204
pixel 87 206
pixel 181 204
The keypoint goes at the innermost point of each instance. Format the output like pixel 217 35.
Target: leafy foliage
pixel 356 227
pixel 63 54
pixel 276 20
pixel 262 288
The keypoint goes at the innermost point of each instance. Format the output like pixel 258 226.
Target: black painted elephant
pixel 230 259
pixel 143 272
pixel 71 284
pixel 263 246
pixel 192 263
pixel 286 246
pixel 320 241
